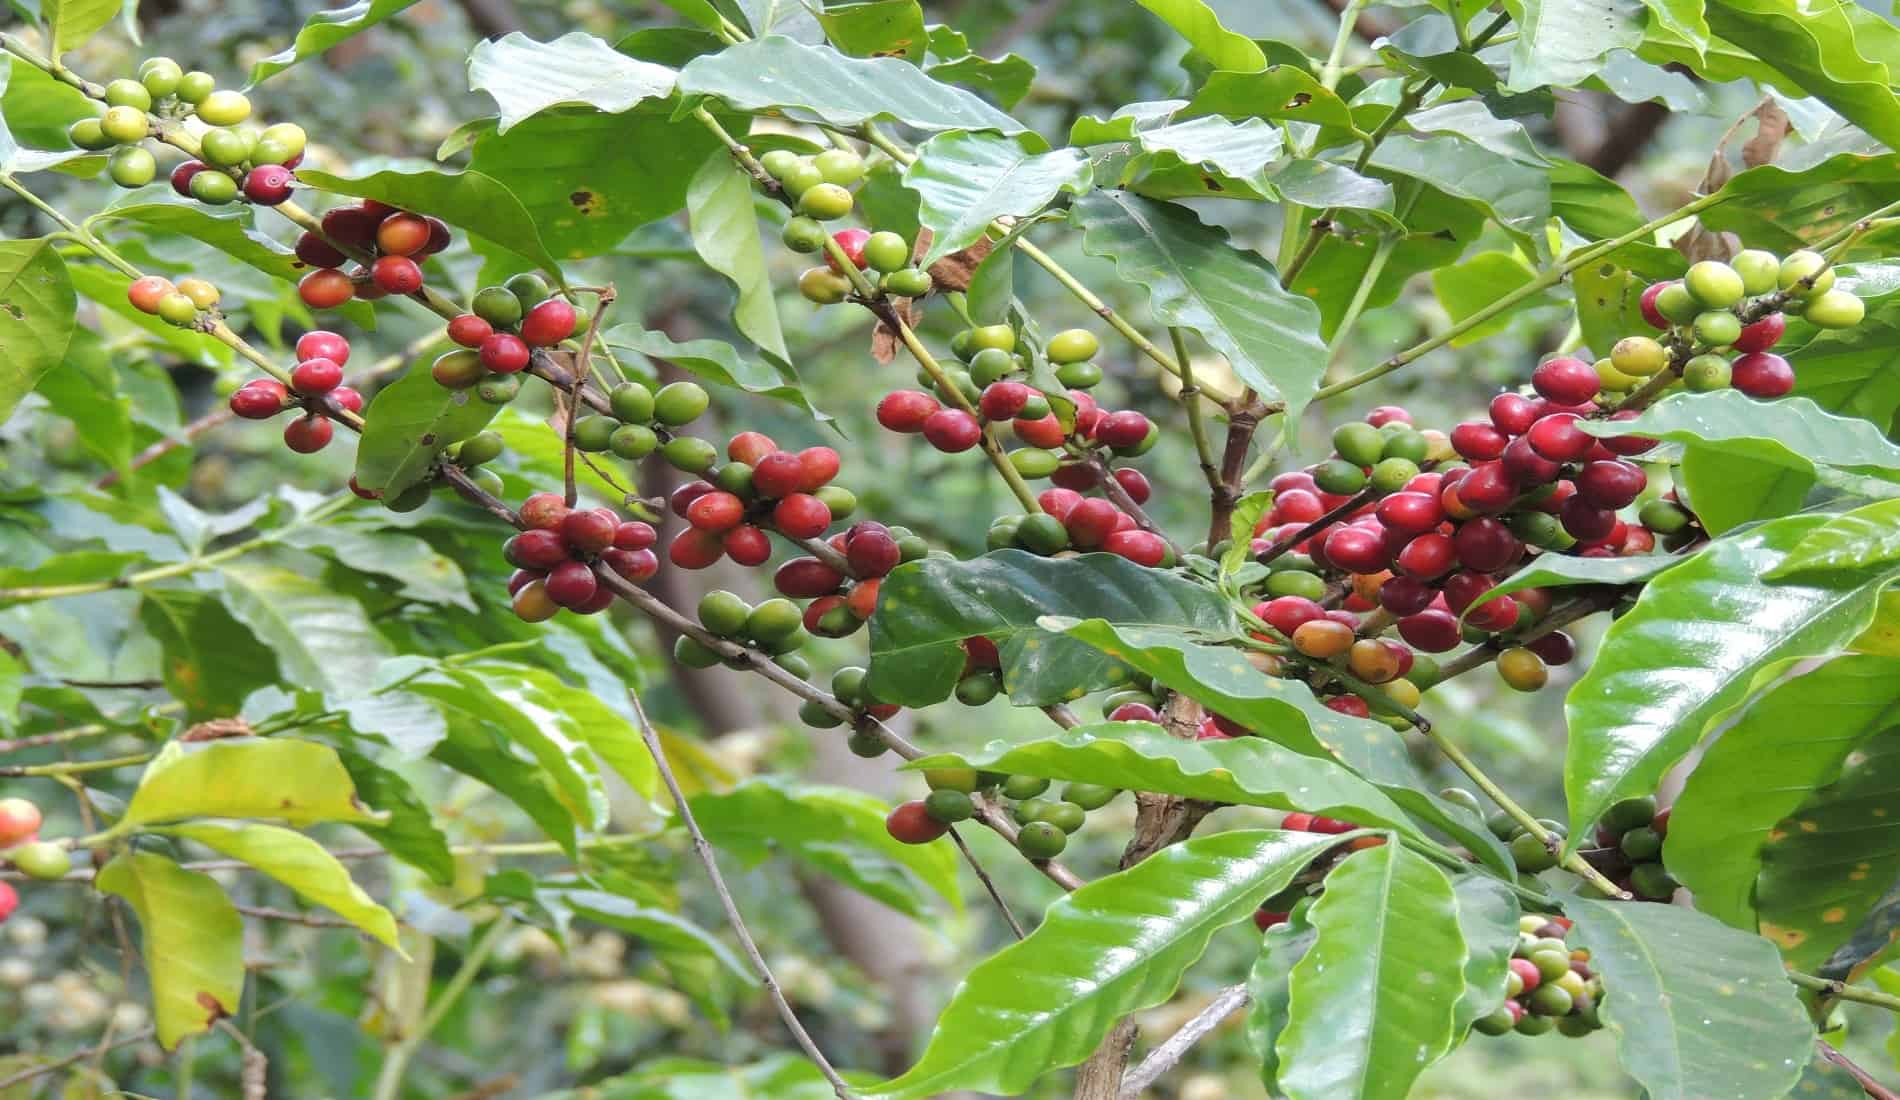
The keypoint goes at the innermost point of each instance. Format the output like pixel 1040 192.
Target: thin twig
pixel 312 920
pixel 55 1067
pixel 1861 1077
pixel 1842 991
pixel 705 852
pixel 1172 1049
pixel 988 883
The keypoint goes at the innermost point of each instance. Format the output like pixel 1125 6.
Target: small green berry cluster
pixel 1549 986
pixel 775 626
pixel 818 188
pixel 1044 824
pixel 1629 849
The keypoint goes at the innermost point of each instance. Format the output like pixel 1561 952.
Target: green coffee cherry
pixel 1799 267
pixel 195 86
pixel 224 148
pixel 1066 816
pixel 131 166
pixel 495 304
pixel 778 162
pixel 949 806
pixel 1759 270
pixel 1714 284
pixel 1717 328
pixel 1020 787
pixel 817 717
pixel 1073 345
pixel 840 500
pixel 1089 796
pixel 177 309
pixel 1358 443
pixel 825 202
pixel 1665 517
pixel 88 134
pixel 479 448
pixel 213 188
pixel 1042 534
pixel 1391 474
pixel 1639 356
pixel 498 389
pixel 824 286
pixel 991 364
pixel 886 251
pixel 689 454
pixel 1079 376
pixel 839 166
pixel 455 370
pixel 993 336
pixel 1401 441
pixel 1834 309
pixel 161 76
pixel 1705 373
pixel 224 108
pixel 128 93
pixel 680 403
pixel 802 177
pixel 1530 855
pixel 1040 840
pixel 908 282
pixel 803 235
pixel 1677 305
pixel 124 125
pixel 1034 462
pixel 977 689
pixel 632 441
pixel 1612 379
pixel 529 289
pixel 723 613
pixel 1339 477
pixel 594 433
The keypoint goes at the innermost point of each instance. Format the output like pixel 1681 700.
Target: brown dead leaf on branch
pixel 953 272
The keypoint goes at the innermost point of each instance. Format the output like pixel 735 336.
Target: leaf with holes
pixel 927 608
pixel 1199 279
pixel 964 181
pixel 1701 638
pixel 300 863
pixel 1561 43
pixel 1698 1009
pixel 1374 1001
pixel 1117 945
pixel 1784 209
pixel 193 941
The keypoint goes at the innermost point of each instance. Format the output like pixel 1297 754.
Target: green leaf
pixel 575 713
pixel 468 200
pixel 323 639
pixel 1846 371
pixel 657 927
pixel 1854 540
pixel 1269 984
pixel 325 30
pixel 1698 1009
pixel 1469 286
pixel 1212 156
pixel 1700 639
pixel 76 567
pixel 409 832
pixel 1783 209
pixel 1841 54
pixel 36 316
pixel 476 747
pixel 1487 921
pixel 966 180
pixel 880 28
pixel 700 12
pixel 1512 189
pixel 1140 756
pixel 278 779
pixel 1197 278
pixel 409 423
pixel 712 361
pixel 1609 292
pixel 422 573
pixel 526 77
pixel 193 941
pixel 301 864
pixel 10 676
pixel 927 608
pixel 817 83
pixel 72 22
pixel 1196 22
pixel 1756 775
pixel 210 661
pixel 833 829
pixel 1569 570
pixel 1117 945
pixel 1282 93
pixel 35 110
pixel 725 227
pixel 1561 43
pixel 1005 79
pixel 1373 1001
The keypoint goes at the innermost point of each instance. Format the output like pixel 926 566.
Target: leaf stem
pixel 1330 73
pixel 74 767
pixel 396 1062
pixel 1840 990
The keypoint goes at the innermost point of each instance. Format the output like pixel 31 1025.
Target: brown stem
pixel 1240 428
pixel 989 884
pixel 1171 1050
pixel 1861 1077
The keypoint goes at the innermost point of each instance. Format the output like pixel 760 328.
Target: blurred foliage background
pixel 866 979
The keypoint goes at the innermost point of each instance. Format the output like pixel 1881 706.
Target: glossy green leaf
pixel 325 30
pixel 927 608
pixel 276 779
pixel 964 181
pixel 711 361
pixel 1561 43
pixel 1783 209
pixel 323 639
pixel 1282 93
pixel 1196 22
pixel 1700 639
pixel 1841 54
pixel 1487 920
pixel 542 698
pixel 1511 188
pixel 1286 712
pixel 36 316
pixel 662 930
pixel 700 12
pixel 877 28
pixel 1430 46
pixel 1863 537
pixel 301 864
pixel 725 227
pixel 477 748
pixel 1140 756
pixel 408 423
pixel 421 572
pixel 1757 774
pixel 192 941
pixel 1117 945
pixel 72 22
pixel 1473 284
pixel 837 831
pixel 1004 79
pixel 470 201
pixel 408 831
pixel 526 77
pixel 1197 278
pixel 35 110
pixel 77 567
pixel 231 233
pixel 1210 156
pixel 1269 984
pixel 1698 1009
pixel 210 660
pixel 819 83
pixel 1374 1000
pixel 1569 570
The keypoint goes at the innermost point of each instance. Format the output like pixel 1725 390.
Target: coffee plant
pixel 1165 541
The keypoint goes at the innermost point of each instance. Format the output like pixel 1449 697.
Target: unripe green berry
pixel 1717 328
pixel 841 501
pixel 1664 517
pixel 1034 462
pixel 41 859
pixel 680 403
pixel 497 305
pixel 1834 309
pixel 124 125
pixel 1339 477
pixel 224 108
pixel 529 289
pixel 992 364
pixel 177 309
pixel 1042 534
pixel 455 370
pixel 689 454
pixel 1066 816
pixel 949 806
pixel 479 448
pixel 839 166
pixel 225 148
pixel 633 442
pixel 1613 380
pixel 1089 796
pixel 1391 474
pixel 1714 284
pixel 1639 356
pixel 908 282
pixel 1079 376
pixel 802 177
pixel 1530 855
pixel 976 689
pixel 723 613
pixel 817 717
pixel 1677 305
pixel 1402 441
pixel 1705 373
pixel 196 86
pixel 1295 582
pixel 823 286
pixel 88 134
pixel 1759 270
pixel 993 336
pixel 777 162
pixel 594 433
pixel 631 402
pixel 735 478
pixel 1024 786
pixel 128 93
pixel 804 235
pixel 1040 840
pixel 132 166
pixel 886 251
pixel 825 202
pixel 1799 267
pixel 498 389
pixel 1072 346
pixel 161 76
pixel 1358 443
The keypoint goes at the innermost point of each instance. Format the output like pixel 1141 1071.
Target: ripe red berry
pixel 1355 549
pixel 1566 381
pixel 1485 545
pixel 1003 400
pixel 749 447
pixel 634 535
pixel 1427 556
pixel 571 583
pixel 9 900
pixel 1762 374
pixel 260 399
pixel 1559 438
pixel 1046 432
pixel 1430 630
pixel 637 566
pixel 911 823
pixel 314 250
pixel 1134 712
pixel 1388 414
pixel 1513 413
pixel 1762 334
pixel 402 235
pixel 439 236
pixel 1477 441
pixel 1288 613
pixel 851 243
pixel 952 430
pixel 1090 522
pixel 268 184
pixel 1357 708
pixel 746 545
pixel 716 511
pixel 806 578
pixel 308 434
pixel 872 553
pixel 1613 484
pixel 347 398
pixel 325 288
pixel 1134 484
pixel 801 516
pixel 1463 589
pixel 589 531
pixel 1410 513
pixel 504 353
pixel 778 475
pixel 818 466
pixel 906 410
pixel 1556 648
pixel 1122 429
pixel 396 275
pixel 1585 520
pixel 316 376
pixel 548 323
pixel 469 330
pixel 352 226
pixel 522 578
pixel 1650 312
pixel 536 548
pixel 181 181
pixel 1494 615
pixel 695 549
pixel 1076 476
pixel 1403 595
pixel 544 510
pixel 1487 488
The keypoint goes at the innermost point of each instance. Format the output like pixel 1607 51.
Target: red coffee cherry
pixel 548 323
pixel 181 181
pixel 1403 595
pixel 806 578
pixel 1134 484
pixel 746 545
pixel 695 549
pixel 1762 334
pixel 1288 613
pixel 801 516
pixel 1566 381
pixel 469 330
pixel 634 535
pixel 1431 630
pixel 1493 615
pixel 1559 438
pixel 1046 432
pixel 571 583
pixel 1650 312
pixel 1410 513
pixel 1485 545
pixel 325 288
pixel 1122 429
pixel 1427 556
pixel 260 399
pixel 1762 374
pixel 911 823
pixel 872 554
pixel 1513 413
pixel 396 275
pixel 402 235
pixel 1526 467
pixel 145 293
pixel 1585 520
pixel 952 430
pixel 1613 484
pixel 1487 488
pixel 1357 708
pixel 1356 549
pixel 504 353
pixel 1463 589
pixel 637 566
pixel 546 511
pixel 906 410
pixel 1134 712
pixel 315 377
pixel 1477 441
pixel 439 236
pixel 314 250
pixel 347 398
pixel 818 466
pixel 1090 522
pixel 851 243
pixel 778 475
pixel 1388 414
pixel 750 447
pixel 590 531
pixel 1556 648
pixel 536 548
pixel 1003 400
pixel 716 511
pixel 308 434
pixel 268 184
pixel 353 226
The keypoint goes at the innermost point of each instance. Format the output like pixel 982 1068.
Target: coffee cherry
pixel 1715 285
pixel 908 282
pixel 1717 328
pixel 498 389
pixel 825 202
pixel 952 430
pixel 497 305
pixel 160 76
pixel 41 859
pixel 402 235
pixel 268 184
pixel 19 819
pixel 1559 438
pixel 571 584
pixel 1834 309
pixel 88 134
pixel 457 370
pixel 124 125
pixel 1759 270
pixel 1431 630
pixel 884 251
pixel 260 399
pixel 680 403
pixel 823 286
pixel 801 516
pixel 311 248
pixel 1522 669
pixel 225 148
pixel 308 434
pixel 1763 334
pixel 1611 484
pixel 1512 413
pixel 1323 639
pixel 548 323
pixel 315 377
pixel 1804 274
pixel 912 823
pixel 177 309
pixel 147 291
pixel 1121 430
pixel 321 344
pixel 1041 840
pixel 1141 547
pixel 803 235
pixel 224 108
pixel 323 288
pixel 689 454
pixel 1288 613
pixel 1763 374
pixel 1705 373
pixel 1677 304
pixel 396 275
pixel 1566 381
pixel 851 243
pixel 818 466
pixel 1585 520
pixel 282 143
pixel 1073 345
pixel 587 531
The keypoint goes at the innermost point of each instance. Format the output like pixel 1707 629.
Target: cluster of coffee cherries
pixel 774 627
pixel 20 845
pixel 255 162
pixel 1549 986
pixel 185 303
pixel 1530 854
pixel 498 337
pixel 1735 309
pixel 318 376
pixel 760 488
pixel 394 242
pixel 1278 908
pixel 557 553
pixel 818 189
pixel 1629 849
pixel 1044 824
